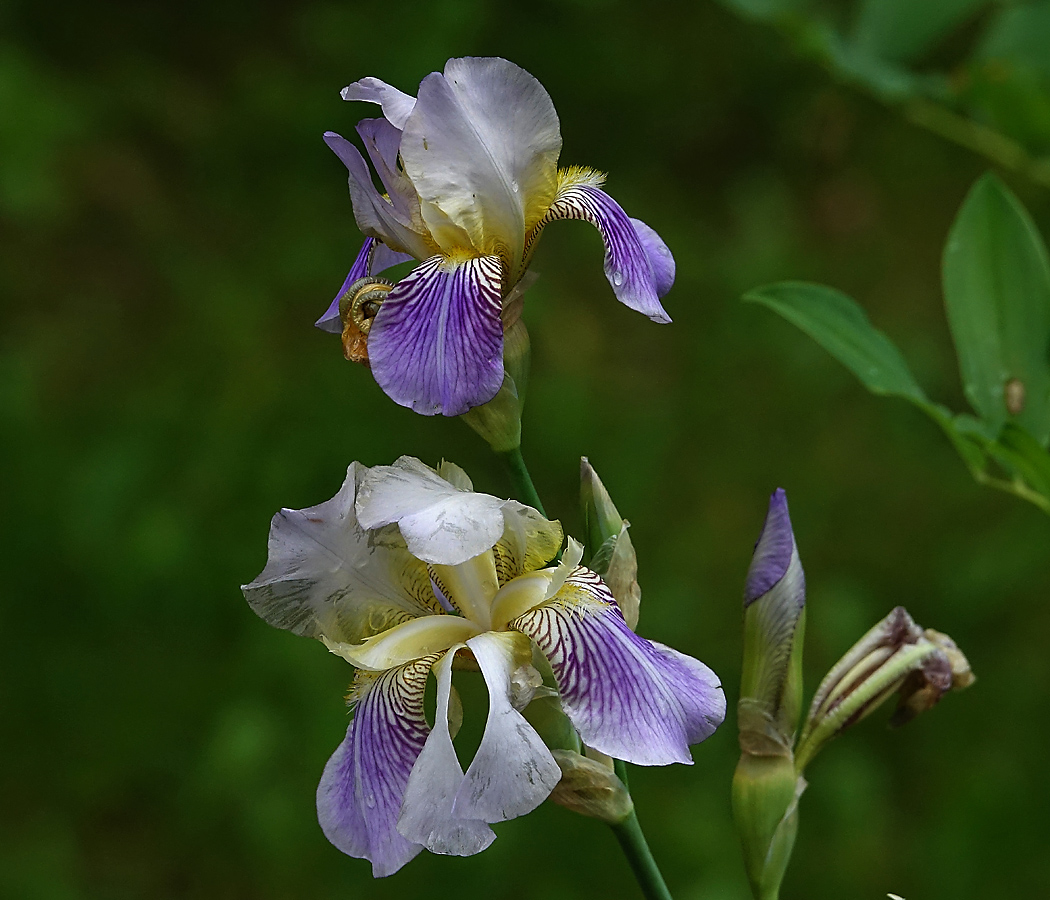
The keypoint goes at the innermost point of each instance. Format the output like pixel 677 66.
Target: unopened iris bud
pixel 609 544
pixel 894 657
pixel 499 420
pixel 766 786
pixel 774 626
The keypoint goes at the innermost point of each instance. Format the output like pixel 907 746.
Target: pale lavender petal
pixel 384 258
pixel 481 146
pixel 330 321
pixel 659 254
pixel 382 142
pixel 773 552
pixel 426 812
pixel 513 772
pixel 375 215
pixel 397 105
pixel 628 697
pixel 436 345
pixel 629 251
pixel 360 794
pixel 326 576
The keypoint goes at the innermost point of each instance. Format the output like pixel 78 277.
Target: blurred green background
pixel 171 225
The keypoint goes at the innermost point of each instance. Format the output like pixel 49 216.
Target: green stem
pixel 629 834
pixel 519 474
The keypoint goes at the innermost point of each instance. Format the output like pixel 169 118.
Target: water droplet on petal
pixel 370 801
pixel 617 278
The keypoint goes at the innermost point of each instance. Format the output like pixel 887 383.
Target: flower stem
pixel 636 849
pixel 519 474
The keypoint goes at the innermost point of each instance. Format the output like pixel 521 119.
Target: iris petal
pixel 631 698
pixel 360 794
pixel 630 252
pixel 375 215
pixel 436 344
pixel 442 523
pixel 327 576
pixel 481 146
pixel 396 104
pixel 426 813
pixel 374 257
pixel 513 772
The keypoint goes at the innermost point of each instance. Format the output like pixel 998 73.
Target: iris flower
pixel 407 572
pixel 471 178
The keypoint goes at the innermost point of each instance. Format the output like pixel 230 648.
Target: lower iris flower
pixel 407 573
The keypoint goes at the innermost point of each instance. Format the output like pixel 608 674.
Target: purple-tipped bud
pixel 766 786
pixel 774 622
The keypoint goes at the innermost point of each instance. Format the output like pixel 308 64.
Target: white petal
pixel 326 576
pixel 440 523
pixel 426 813
pixel 481 146
pixel 513 772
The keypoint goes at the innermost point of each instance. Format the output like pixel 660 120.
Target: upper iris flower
pixel 470 169
pixel 407 571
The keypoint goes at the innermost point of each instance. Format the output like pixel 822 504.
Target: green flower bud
pixel 766 786
pixel 590 787
pixel 609 545
pixel 894 657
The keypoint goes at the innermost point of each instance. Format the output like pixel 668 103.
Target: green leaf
pixel 997 295
pixel 840 326
pixel 1019 451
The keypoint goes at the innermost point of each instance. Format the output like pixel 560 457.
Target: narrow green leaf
pixel 840 326
pixel 997 295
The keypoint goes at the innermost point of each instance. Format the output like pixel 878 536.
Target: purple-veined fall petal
pixel 360 794
pixel 630 698
pixel 628 250
pixel 436 344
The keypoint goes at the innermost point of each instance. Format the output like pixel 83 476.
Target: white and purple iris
pixel 408 572
pixel 470 169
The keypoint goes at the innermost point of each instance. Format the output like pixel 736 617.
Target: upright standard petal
pixel 436 344
pixel 482 146
pixel 360 794
pixel 397 105
pixel 442 523
pixel 376 216
pixel 637 263
pixel 426 813
pixel 628 697
pixel 513 772
pixel 327 576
